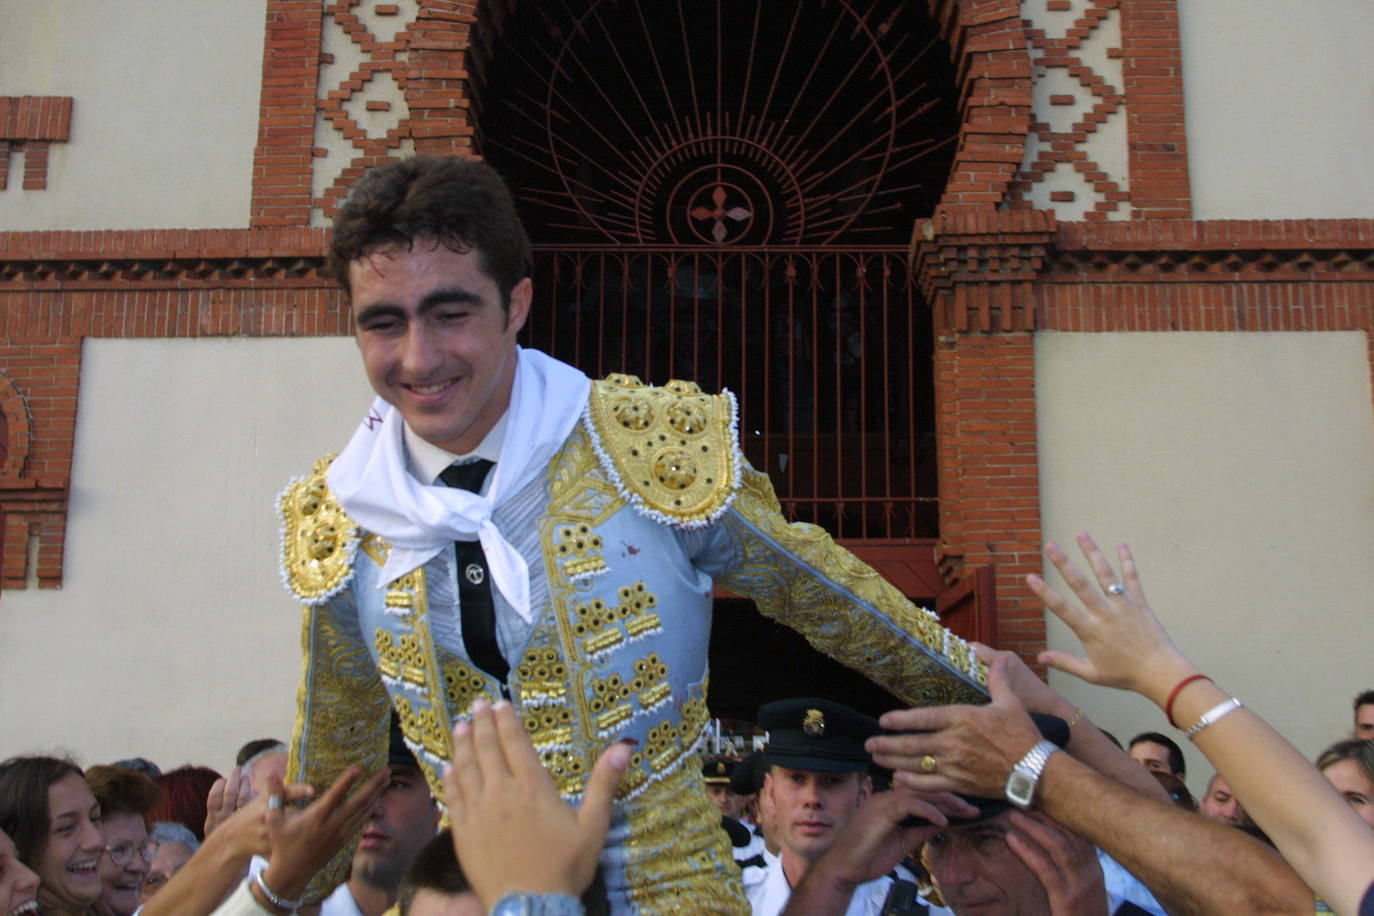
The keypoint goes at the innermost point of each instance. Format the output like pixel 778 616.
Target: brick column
pixel 978 272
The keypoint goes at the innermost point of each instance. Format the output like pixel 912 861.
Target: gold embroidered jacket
pixel 647 504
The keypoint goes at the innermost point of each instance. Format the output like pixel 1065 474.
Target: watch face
pixel 1020 789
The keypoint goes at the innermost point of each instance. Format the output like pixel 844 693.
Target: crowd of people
pixel 838 814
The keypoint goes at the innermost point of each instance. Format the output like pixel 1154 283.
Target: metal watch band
pixel 538 905
pixel 1025 775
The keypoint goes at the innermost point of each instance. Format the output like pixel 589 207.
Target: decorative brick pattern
pixel 347 86
pixel 27 125
pixel 1077 155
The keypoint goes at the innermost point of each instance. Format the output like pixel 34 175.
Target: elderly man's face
pixel 979 875
pixel 1220 805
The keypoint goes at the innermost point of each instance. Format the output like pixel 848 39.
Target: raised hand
pixel 512 832
pixel 968 749
pixel 304 839
pixel 1126 645
pixel 1066 864
pixel 227 795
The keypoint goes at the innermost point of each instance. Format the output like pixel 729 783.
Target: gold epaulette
pixel 673 452
pixel 318 540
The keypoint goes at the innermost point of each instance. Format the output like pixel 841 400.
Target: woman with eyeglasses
pixel 126 797
pixel 54 820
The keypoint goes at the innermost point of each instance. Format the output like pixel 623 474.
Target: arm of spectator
pixel 1314 828
pixel 869 846
pixel 1086 741
pixel 1065 863
pixel 512 832
pixel 211 873
pixel 1190 864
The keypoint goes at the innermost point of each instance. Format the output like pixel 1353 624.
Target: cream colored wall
pixel 1238 466
pixel 1280 107
pixel 165 115
pixel 172 636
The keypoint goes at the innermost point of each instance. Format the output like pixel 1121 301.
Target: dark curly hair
pixel 24 813
pixel 123 791
pixel 460 203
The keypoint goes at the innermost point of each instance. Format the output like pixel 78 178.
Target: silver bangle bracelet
pixel 281 902
pixel 1212 716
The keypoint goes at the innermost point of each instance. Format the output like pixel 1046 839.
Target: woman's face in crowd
pixel 126 833
pixel 69 865
pixel 1350 780
pixel 18 883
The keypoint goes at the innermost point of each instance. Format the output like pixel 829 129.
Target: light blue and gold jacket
pixel 647 505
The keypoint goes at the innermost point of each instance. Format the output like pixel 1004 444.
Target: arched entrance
pixel 726 192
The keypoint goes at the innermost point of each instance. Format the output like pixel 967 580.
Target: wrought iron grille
pixel 698 177
pixel 815 343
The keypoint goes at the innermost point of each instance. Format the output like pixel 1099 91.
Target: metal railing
pixel 827 350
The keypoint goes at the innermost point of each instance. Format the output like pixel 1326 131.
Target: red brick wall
pixel 1152 71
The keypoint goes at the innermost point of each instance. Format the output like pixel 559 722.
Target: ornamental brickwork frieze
pixel 978 269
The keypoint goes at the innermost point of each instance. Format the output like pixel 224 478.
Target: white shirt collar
pixel 426 461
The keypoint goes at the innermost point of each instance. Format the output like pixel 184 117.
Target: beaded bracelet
pixel 1211 716
pixel 279 902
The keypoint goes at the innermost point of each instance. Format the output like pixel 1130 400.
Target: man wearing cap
pixel 817 778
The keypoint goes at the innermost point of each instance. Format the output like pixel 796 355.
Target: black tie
pixel 474 582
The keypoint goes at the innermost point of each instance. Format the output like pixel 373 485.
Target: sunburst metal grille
pixel 720 123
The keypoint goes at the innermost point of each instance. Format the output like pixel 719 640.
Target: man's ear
pixel 518 309
pixel 865 788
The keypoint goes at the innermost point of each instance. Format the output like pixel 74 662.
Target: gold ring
pixel 928 764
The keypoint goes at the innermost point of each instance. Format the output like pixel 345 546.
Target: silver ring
pixel 1116 588
pixel 274 803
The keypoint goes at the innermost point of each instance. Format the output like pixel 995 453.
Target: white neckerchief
pixel 373 485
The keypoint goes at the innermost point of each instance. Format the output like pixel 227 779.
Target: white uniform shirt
pixel 770 892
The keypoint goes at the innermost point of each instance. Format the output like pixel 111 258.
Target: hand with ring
pixel 1125 644
pixel 967 749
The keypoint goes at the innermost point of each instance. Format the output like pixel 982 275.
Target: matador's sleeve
pixel 342 709
pixel 673 453
pixel 798 576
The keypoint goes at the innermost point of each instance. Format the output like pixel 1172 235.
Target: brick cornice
pixel 977 269
pixel 1181 251
pixel 160 258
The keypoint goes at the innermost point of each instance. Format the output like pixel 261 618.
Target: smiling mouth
pixel 84 869
pixel 431 389
pixel 25 909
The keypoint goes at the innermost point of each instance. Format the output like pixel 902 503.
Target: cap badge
pixel 720 769
pixel 814 723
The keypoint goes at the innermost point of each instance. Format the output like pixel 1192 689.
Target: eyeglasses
pixel 124 852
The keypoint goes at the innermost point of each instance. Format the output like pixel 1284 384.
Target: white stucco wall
pixel 1280 107
pixel 165 115
pixel 1238 466
pixel 172 636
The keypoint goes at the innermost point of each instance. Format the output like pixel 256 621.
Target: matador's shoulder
pixel 673 451
pixel 318 541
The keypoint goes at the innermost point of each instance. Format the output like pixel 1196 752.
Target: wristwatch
pixel 538 905
pixel 1024 776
